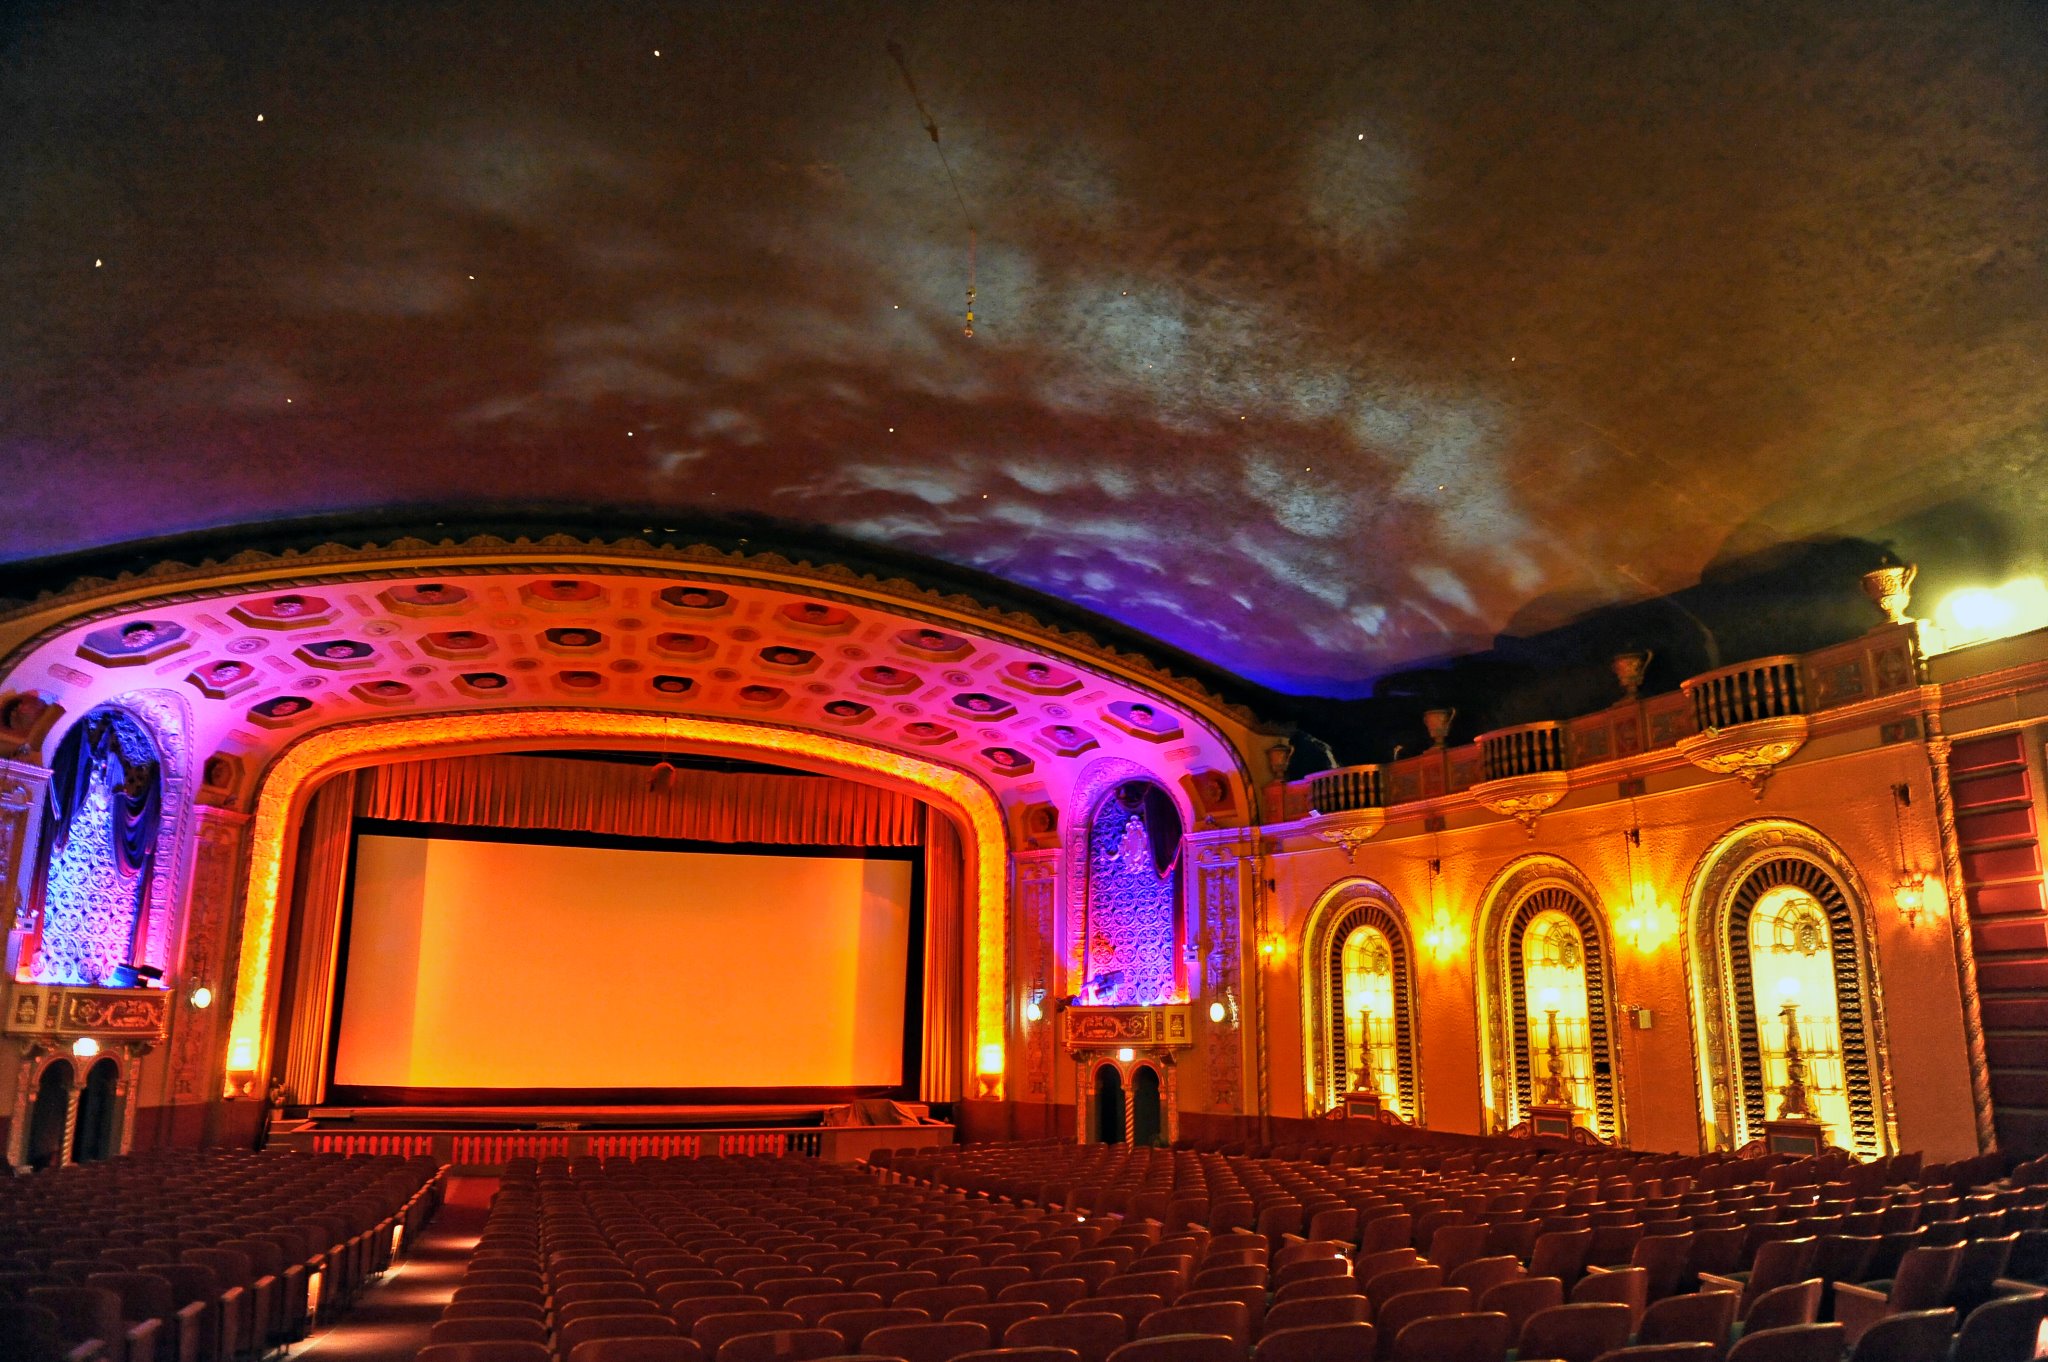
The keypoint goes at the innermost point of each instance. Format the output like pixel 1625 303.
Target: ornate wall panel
pixel 1218 880
pixel 1037 884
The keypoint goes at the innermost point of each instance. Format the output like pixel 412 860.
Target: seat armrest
pixel 1716 1281
pixel 2006 1286
pixel 92 1350
pixel 141 1337
pixel 1857 1307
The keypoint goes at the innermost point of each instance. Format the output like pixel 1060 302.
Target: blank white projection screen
pixel 515 965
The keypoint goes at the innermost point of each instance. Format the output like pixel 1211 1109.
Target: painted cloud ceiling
pixel 1315 340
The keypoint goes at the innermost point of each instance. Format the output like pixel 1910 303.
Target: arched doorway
pixel 97 1134
pixel 1545 994
pixel 1359 1001
pixel 1148 1113
pixel 48 1117
pixel 1784 971
pixel 1109 1105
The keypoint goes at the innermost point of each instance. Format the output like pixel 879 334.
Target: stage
pixel 482 1138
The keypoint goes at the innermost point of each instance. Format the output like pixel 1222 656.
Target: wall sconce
pixel 1126 1055
pixel 1910 894
pixel 201 997
pixel 1440 940
pixel 1273 947
pixel 1032 1011
pixel 1647 925
pixel 991 1069
pixel 85 1047
pixel 241 1068
pixel 1217 1011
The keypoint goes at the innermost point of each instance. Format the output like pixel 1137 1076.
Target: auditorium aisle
pixel 391 1320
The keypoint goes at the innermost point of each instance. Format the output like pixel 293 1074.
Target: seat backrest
pixel 675 1349
pixel 1400 1281
pixel 713 1330
pixel 1574 1333
pixel 1629 1286
pixel 1181 1348
pixel 1390 1319
pixel 1913 1336
pixel 1697 1317
pixel 1522 1298
pixel 1481 1274
pixel 504 1351
pixel 1795 1343
pixel 1784 1306
pixel 1925 1274
pixel 1231 1318
pixel 1316 1343
pixel 575 1331
pixel 1465 1337
pixel 83 1312
pixel 2003 1328
pixel 781 1345
pixel 1981 1263
pixel 933 1341
pixel 1318 1311
pixel 144 1295
pixel 1092 1334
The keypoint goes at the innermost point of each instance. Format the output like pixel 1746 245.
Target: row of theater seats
pixel 1548 1253
pixel 196 1256
pixel 1790 1245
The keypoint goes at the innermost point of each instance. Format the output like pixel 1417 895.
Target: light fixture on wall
pixel 201 997
pixel 1032 1011
pixel 1909 892
pixel 85 1047
pixel 1273 946
pixel 991 1069
pixel 1644 921
pixel 1217 1011
pixel 1438 938
pixel 1126 1055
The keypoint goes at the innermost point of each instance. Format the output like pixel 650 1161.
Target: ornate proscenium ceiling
pixel 260 656
pixel 1314 340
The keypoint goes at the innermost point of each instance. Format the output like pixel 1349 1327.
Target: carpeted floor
pixel 391 1319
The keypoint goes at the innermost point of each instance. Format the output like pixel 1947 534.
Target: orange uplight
pixel 328 751
pixel 992 1058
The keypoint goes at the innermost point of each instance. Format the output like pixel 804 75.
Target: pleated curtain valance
pixel 629 801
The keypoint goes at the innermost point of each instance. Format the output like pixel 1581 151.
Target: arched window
pixel 1544 990
pixel 1777 926
pixel 1797 1015
pixel 1133 874
pixel 1360 1004
pixel 1559 1016
pixel 100 825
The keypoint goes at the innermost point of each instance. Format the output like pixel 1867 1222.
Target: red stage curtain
pixel 613 797
pixel 313 937
pixel 945 889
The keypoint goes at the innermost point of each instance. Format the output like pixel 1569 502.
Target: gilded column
pixel 206 961
pixel 1960 936
pixel 22 786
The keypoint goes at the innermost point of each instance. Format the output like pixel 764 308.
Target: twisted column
pixel 1938 748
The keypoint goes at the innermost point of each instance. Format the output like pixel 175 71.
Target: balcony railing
pixel 1346 789
pixel 1526 750
pixel 1767 688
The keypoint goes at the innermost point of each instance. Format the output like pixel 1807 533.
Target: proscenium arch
pixel 1747 862
pixel 1351 903
pixel 302 766
pixel 1522 888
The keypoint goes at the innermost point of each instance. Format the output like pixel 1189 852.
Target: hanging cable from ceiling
pixel 931 127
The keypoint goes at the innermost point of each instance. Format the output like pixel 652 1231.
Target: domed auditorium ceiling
pixel 1313 340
